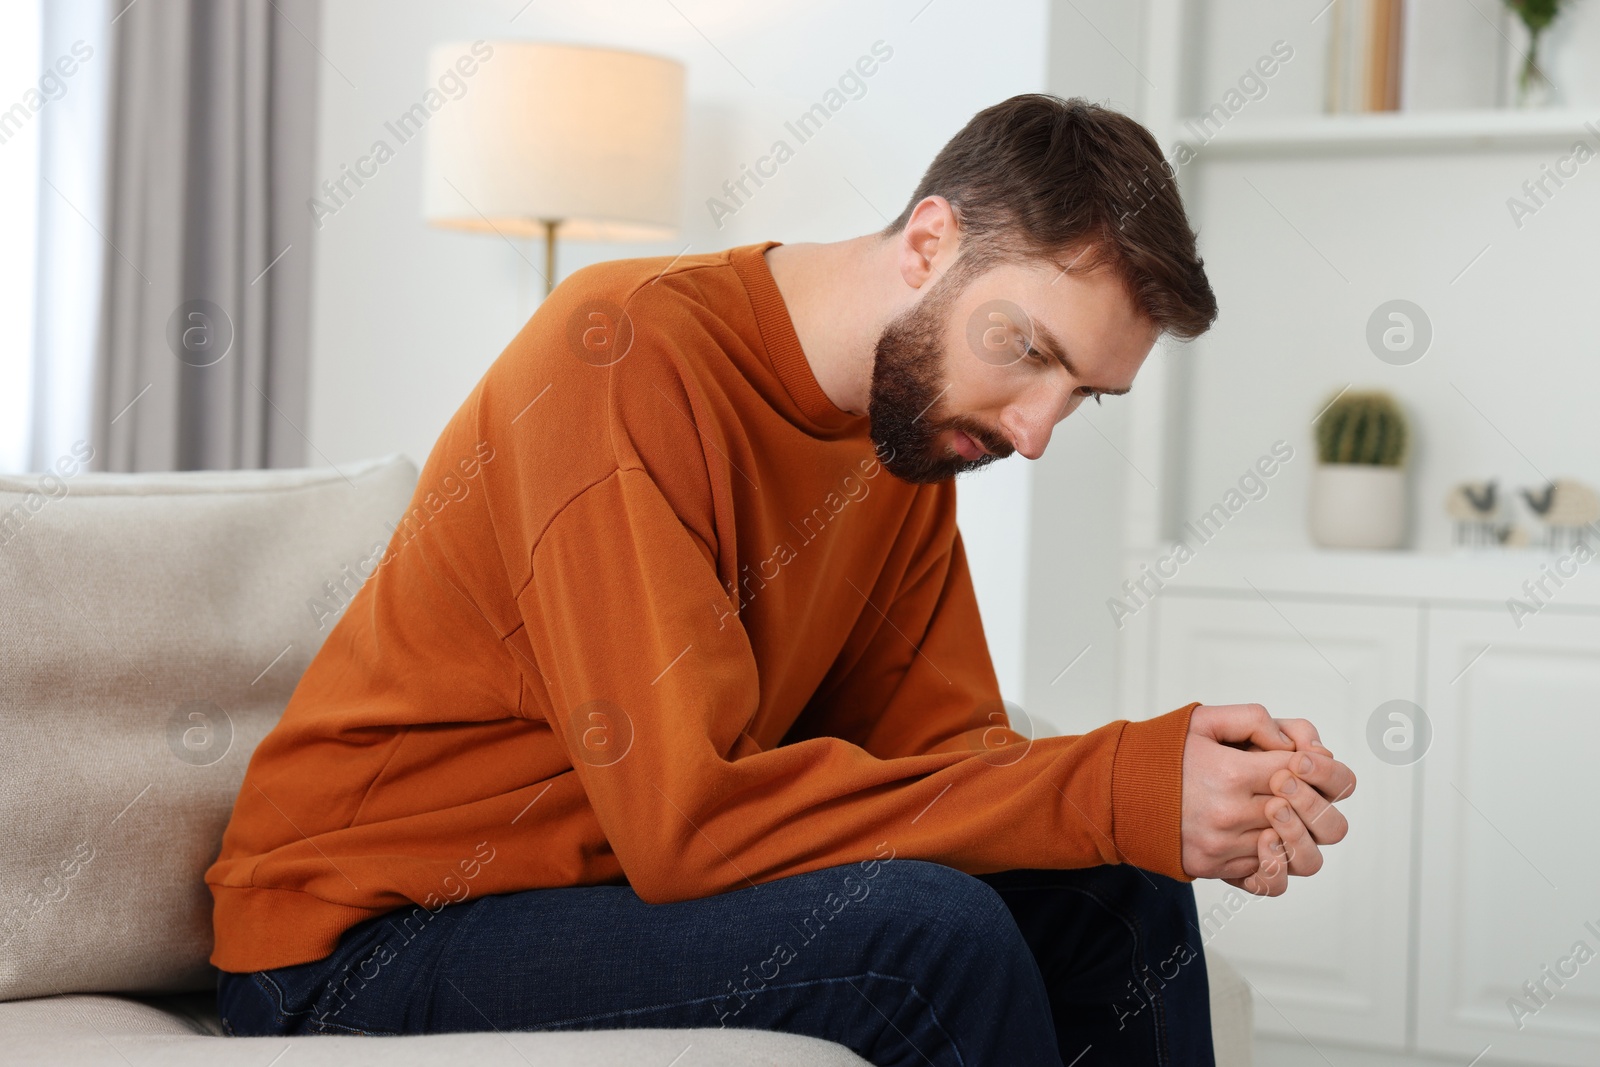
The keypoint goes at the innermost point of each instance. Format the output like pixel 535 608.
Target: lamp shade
pixel 592 137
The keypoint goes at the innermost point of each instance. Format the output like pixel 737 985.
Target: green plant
pixel 1362 428
pixel 1536 15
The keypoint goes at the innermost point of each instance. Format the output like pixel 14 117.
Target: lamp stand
pixel 550 254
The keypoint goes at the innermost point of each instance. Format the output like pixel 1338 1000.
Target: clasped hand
pixel 1258 797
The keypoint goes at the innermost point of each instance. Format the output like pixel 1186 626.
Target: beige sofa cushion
pixel 152 628
pixel 1232 1013
pixel 95 1031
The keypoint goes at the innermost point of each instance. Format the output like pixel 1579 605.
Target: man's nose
pixel 1036 419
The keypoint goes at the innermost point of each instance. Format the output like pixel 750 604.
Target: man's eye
pixel 1035 355
pixel 1094 393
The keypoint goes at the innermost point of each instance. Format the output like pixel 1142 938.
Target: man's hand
pixel 1249 817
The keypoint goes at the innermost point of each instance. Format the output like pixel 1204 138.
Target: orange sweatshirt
pixel 657 616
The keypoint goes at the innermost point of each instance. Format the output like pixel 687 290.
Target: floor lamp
pixel 552 140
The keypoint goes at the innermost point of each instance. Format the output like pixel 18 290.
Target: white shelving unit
pixel 1452 889
pixel 1169 40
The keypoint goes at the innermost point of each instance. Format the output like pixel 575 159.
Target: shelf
pixel 1477 577
pixel 1389 133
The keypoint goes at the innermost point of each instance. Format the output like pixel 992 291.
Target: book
pixel 1365 45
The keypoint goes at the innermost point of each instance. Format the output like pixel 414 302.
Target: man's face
pixel 955 386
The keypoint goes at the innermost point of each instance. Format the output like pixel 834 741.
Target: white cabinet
pixel 1462 911
pixel 1510 874
pixel 1328 958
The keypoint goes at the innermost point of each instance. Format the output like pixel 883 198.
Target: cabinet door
pixel 1327 960
pixel 1510 874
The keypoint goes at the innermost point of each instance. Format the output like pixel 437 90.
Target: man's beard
pixel 905 403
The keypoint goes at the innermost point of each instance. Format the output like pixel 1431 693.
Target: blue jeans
pixel 904 961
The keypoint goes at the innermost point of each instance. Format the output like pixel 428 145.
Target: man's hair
pixel 1075 184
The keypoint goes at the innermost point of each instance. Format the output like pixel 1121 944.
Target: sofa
pixel 153 628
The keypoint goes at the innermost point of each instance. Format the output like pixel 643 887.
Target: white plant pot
pixel 1358 505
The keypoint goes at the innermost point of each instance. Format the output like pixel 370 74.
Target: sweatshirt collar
pixel 782 343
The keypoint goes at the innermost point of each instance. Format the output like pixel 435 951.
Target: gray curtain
pixel 202 361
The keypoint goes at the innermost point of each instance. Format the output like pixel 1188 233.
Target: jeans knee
pixel 946 943
pixel 963 912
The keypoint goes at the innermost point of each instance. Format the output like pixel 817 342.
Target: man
pixel 669 704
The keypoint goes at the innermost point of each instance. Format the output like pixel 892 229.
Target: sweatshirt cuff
pixel 1147 793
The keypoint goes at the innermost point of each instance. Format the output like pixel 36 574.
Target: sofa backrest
pixel 152 628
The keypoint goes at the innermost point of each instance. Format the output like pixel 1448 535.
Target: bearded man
pixel 682 715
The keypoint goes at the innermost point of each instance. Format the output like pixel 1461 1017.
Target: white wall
pixel 1076 540
pixel 407 318
pixel 19 187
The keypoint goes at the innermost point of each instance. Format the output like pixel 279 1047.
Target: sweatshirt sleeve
pixel 925 683
pixel 651 699
pixel 923 680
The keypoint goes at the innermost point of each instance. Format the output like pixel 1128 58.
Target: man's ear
pixel 928 244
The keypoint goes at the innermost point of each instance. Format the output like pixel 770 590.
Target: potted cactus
pixel 1358 497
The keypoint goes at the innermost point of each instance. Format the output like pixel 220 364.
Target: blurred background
pixel 1365 498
